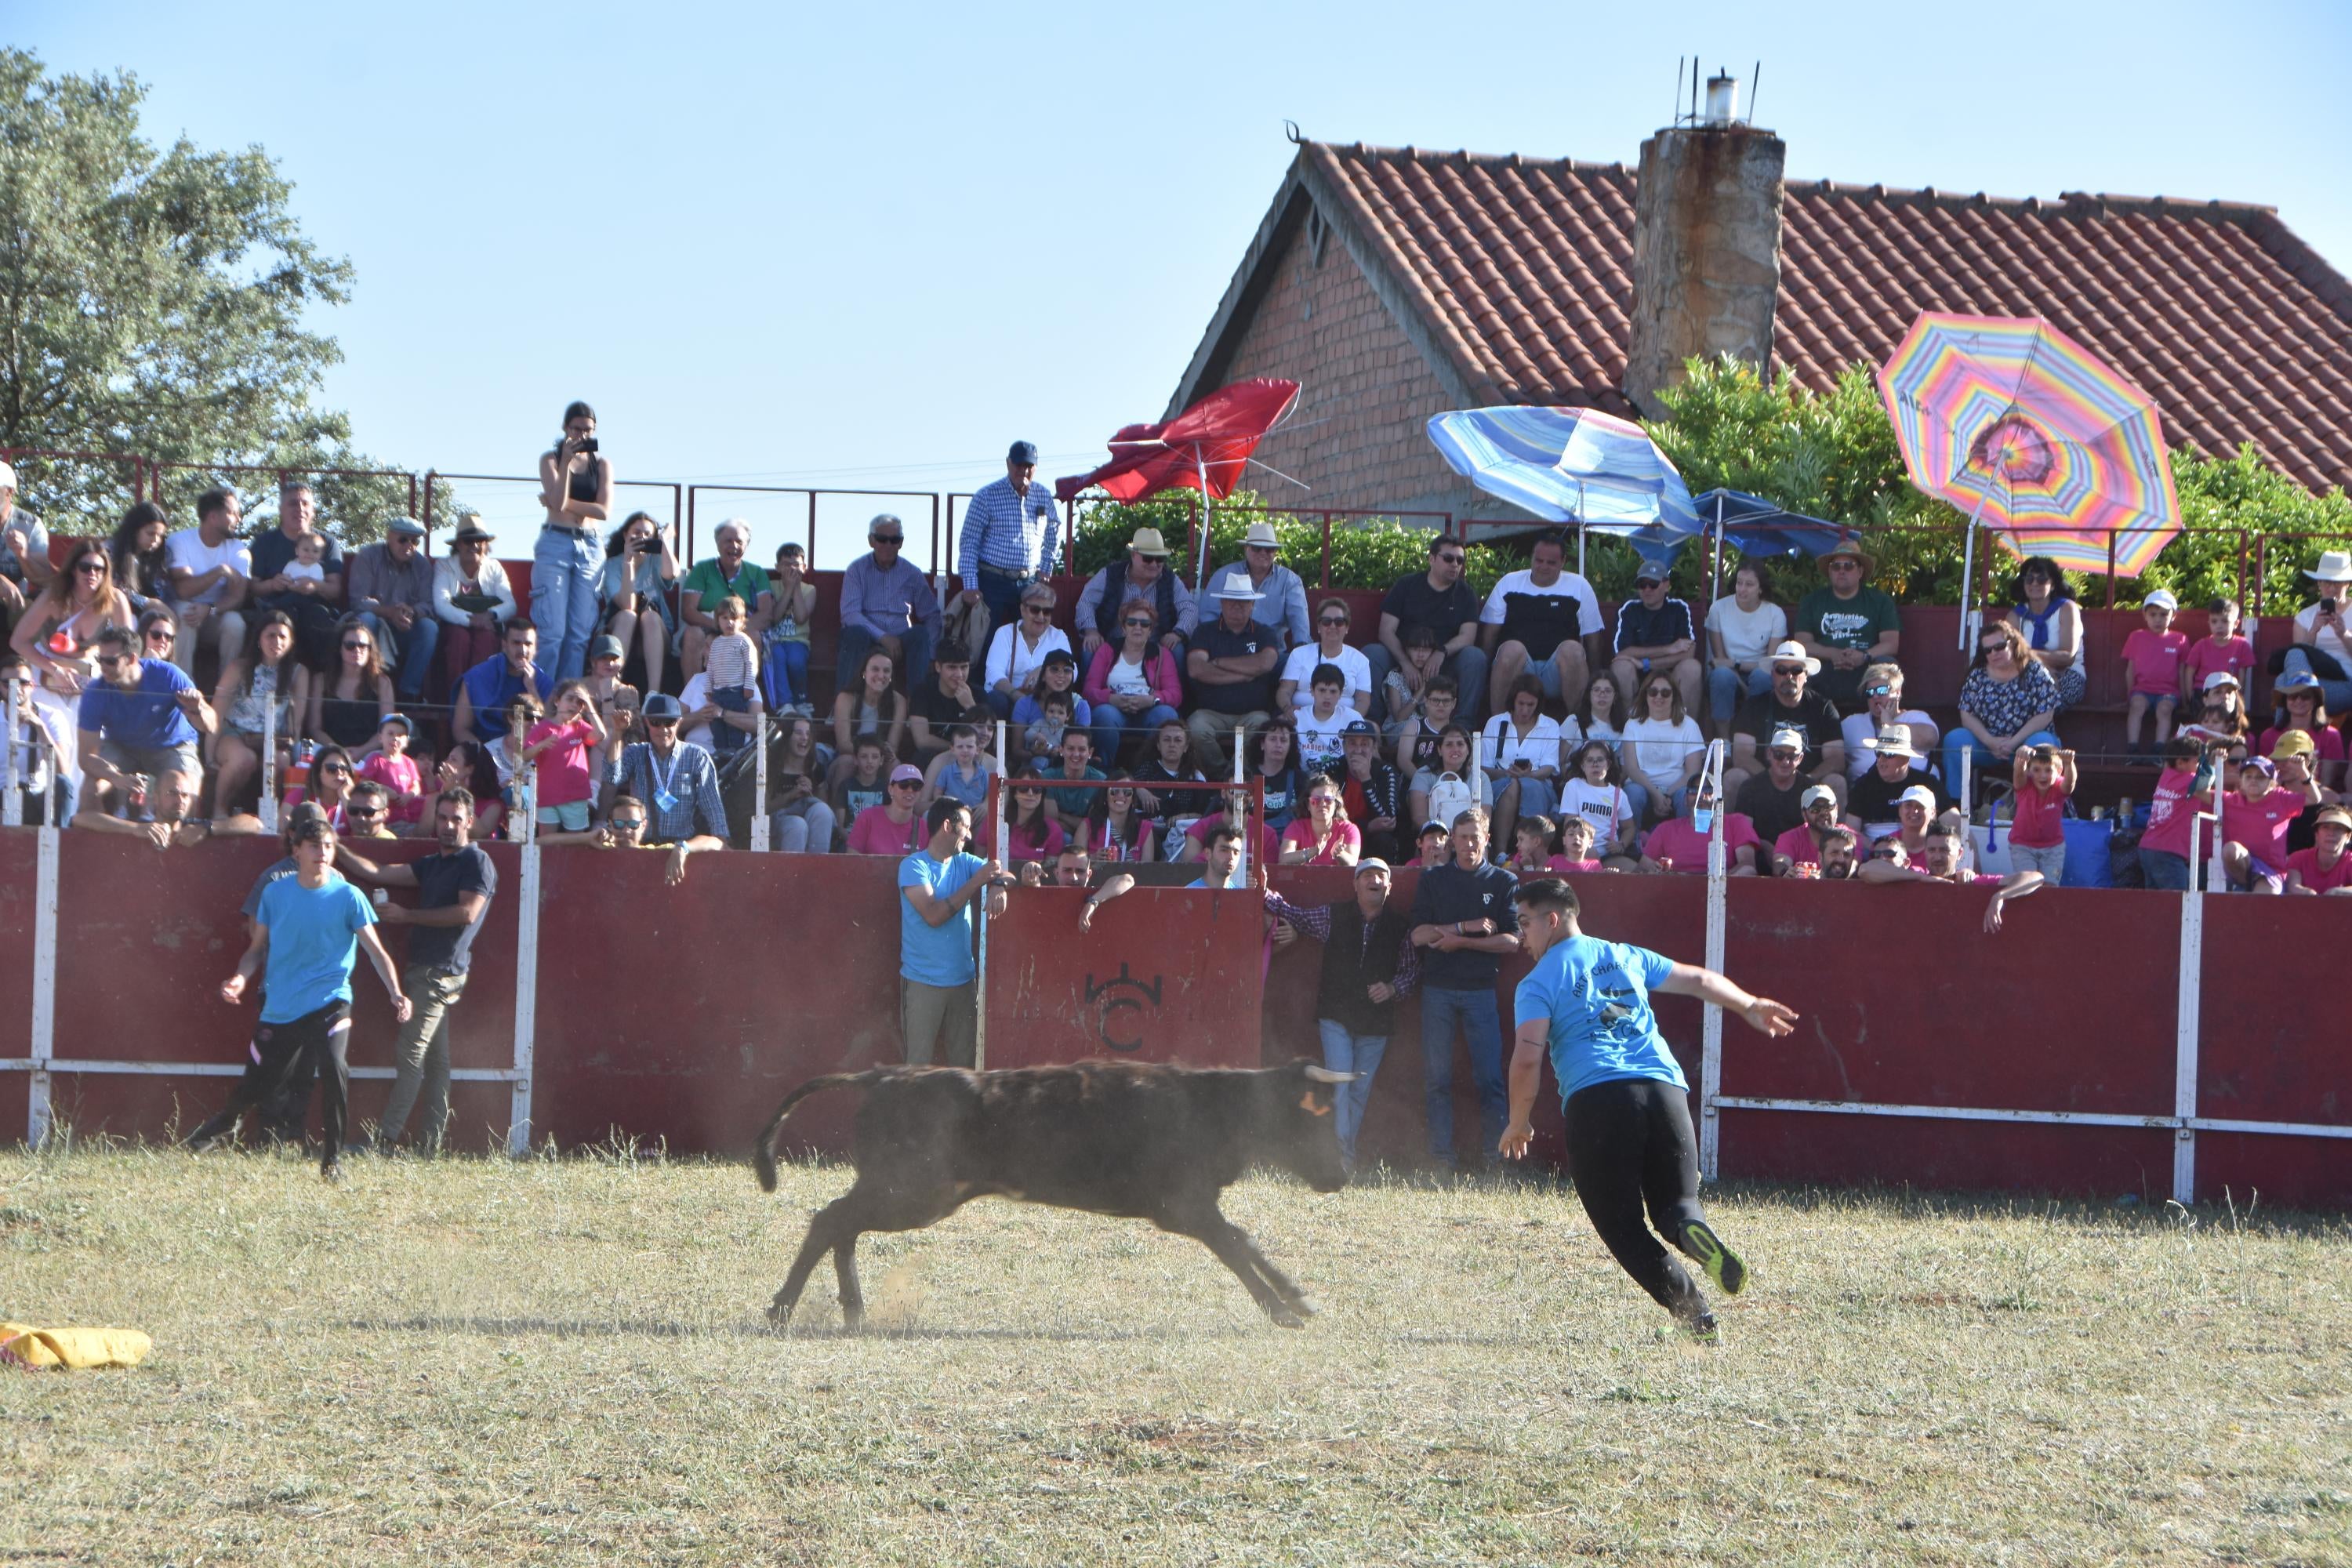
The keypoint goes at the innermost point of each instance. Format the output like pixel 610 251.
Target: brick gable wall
pixel 1367 391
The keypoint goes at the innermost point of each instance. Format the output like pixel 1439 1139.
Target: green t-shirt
pixel 708 580
pixel 1071 801
pixel 1854 623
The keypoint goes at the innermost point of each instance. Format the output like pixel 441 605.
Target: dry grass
pixel 565 1362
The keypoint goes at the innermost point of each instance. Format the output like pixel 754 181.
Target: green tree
pixel 153 302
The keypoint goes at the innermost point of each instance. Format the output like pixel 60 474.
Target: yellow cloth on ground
pixel 21 1345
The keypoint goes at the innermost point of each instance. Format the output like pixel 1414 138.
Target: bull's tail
pixel 763 1157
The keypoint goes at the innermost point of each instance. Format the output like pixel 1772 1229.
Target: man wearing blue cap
pixel 1010 534
pixel 391 588
pixel 1655 632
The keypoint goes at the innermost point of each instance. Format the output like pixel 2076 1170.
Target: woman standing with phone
pixel 575 486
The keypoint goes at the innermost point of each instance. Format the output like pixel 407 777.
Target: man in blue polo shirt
pixel 486 690
pixel 310 926
pixel 1586 1004
pixel 1461 921
pixel 141 716
pixel 937 885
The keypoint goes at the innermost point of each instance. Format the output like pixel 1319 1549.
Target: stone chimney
pixel 1706 247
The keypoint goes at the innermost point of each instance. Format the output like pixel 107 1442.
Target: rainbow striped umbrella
pixel 2013 420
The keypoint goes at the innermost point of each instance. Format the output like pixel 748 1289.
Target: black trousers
pixel 1630 1149
pixel 281 1054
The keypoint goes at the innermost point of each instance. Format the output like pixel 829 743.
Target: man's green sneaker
pixel 1722 1264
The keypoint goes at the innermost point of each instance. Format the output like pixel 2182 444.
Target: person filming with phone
pixel 575 486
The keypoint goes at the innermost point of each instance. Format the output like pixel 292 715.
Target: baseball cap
pixel 662 705
pixel 1060 655
pixel 1021 452
pixel 1815 796
pixel 1788 736
pixel 2161 599
pixel 2293 680
pixel 1919 792
pixel 607 646
pixel 2294 744
pixel 407 525
pixel 1429 827
pixel 8 476
pixel 400 719
pixel 906 773
pixel 1360 727
pixel 2263 766
pixel 1371 863
pixel 2218 678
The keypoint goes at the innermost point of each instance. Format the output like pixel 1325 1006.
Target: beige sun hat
pixel 1794 653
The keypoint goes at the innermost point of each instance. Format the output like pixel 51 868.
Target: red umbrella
pixel 1206 448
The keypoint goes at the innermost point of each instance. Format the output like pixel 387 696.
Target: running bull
pixel 1141 1140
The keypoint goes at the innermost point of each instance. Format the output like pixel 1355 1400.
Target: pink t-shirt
pixel 1797 844
pixel 2205 656
pixel 2155 660
pixel 1025 844
pixel 2304 863
pixel 1300 834
pixel 563 774
pixel 2041 817
pixel 2327 742
pixel 875 833
pixel 1684 845
pixel 2261 825
pixel 1562 863
pixel 401 776
pixel 2171 815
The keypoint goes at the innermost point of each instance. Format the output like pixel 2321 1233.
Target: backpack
pixel 1449 798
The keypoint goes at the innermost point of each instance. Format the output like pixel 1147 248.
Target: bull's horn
pixel 1325 1075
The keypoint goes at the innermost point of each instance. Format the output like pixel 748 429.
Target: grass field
pixel 566 1362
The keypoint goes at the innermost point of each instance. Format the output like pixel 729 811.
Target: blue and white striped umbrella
pixel 1569 464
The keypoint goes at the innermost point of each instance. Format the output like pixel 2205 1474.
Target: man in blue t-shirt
pixel 141 716
pixel 937 885
pixel 1586 1004
pixel 310 926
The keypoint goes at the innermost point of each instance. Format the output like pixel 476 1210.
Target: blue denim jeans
pixel 2165 871
pixel 856 643
pixel 1478 1018
pixel 1961 742
pixel 1725 687
pixel 1358 1054
pixel 1111 725
pixel 565 569
pixel 413 650
pixel 784 671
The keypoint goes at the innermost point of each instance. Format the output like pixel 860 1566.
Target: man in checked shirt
pixel 1010 536
pixel 1369 962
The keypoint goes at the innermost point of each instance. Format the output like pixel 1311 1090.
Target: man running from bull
pixel 311 928
pixel 1587 1005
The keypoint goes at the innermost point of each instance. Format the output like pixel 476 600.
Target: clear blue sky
pixel 869 245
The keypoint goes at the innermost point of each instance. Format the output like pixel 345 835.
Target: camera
pixel 587 444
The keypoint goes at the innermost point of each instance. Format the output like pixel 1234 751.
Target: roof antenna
pixel 1677 113
pixel 1290 129
pixel 1755 75
pixel 1693 113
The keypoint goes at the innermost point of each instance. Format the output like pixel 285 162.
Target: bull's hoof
pixel 1284 1318
pixel 780 1317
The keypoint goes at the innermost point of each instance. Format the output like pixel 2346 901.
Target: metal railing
pixel 434 479
pixel 280 474
pixel 694 494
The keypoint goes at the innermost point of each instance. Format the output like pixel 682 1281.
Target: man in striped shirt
pixel 1010 536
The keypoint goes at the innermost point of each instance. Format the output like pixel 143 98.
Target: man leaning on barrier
pixel 937 973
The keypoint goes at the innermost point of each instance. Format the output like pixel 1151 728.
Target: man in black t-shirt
pixel 1230 670
pixel 1545 618
pixel 1871 803
pixel 944 699
pixel 457 884
pixel 1464 923
pixel 1774 799
pixel 1439 600
pixel 1788 706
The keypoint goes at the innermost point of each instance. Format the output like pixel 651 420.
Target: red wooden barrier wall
pixel 685 1013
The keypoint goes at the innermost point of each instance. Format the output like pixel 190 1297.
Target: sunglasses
pixel 1139 621
pixel 1779 670
pixel 1882 854
pixel 1784 752
pixel 160 634
pixel 1450 560
pixel 1332 621
pixel 664 723
pixel 906 783
pixel 115 661
pixel 336 768
pixel 357 646
pixel 1845 565
pixel 627 824
pixel 97 566
pixel 1878 691
pixel 1992 648
pixel 1036 609
pixel 363 811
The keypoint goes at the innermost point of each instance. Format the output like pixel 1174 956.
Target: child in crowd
pixel 1599 718
pixel 1416 736
pixel 732 668
pixel 864 784
pixel 309 565
pixel 1576 848
pixel 2220 714
pixel 2255 817
pixel 504 752
pixel 2323 868
pixel 1056 712
pixel 2220 650
pixel 565 747
pixel 1436 845
pixel 2152 657
pixel 391 765
pixel 2172 841
pixel 1408 709
pixel 961 772
pixel 1057 672
pixel 1593 789
pixel 1321 724
pixel 1322 836
pixel 1533 855
pixel 2042 778
pixel 786 656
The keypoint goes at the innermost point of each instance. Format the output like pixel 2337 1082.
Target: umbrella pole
pixel 1715 578
pixel 1968 565
pixel 1201 571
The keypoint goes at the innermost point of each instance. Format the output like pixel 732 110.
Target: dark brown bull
pixel 1137 1140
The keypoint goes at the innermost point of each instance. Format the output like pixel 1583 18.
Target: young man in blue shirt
pixel 310 926
pixel 1586 1004
pixel 937 885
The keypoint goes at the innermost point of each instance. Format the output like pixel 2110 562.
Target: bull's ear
pixel 1306 1103
pixel 1315 1074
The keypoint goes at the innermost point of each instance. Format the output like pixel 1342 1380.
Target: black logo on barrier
pixel 1120 1005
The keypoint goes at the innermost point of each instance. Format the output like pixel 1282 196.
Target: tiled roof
pixel 1519 270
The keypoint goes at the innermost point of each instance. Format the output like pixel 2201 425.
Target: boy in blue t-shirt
pixel 1586 1004
pixel 312 927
